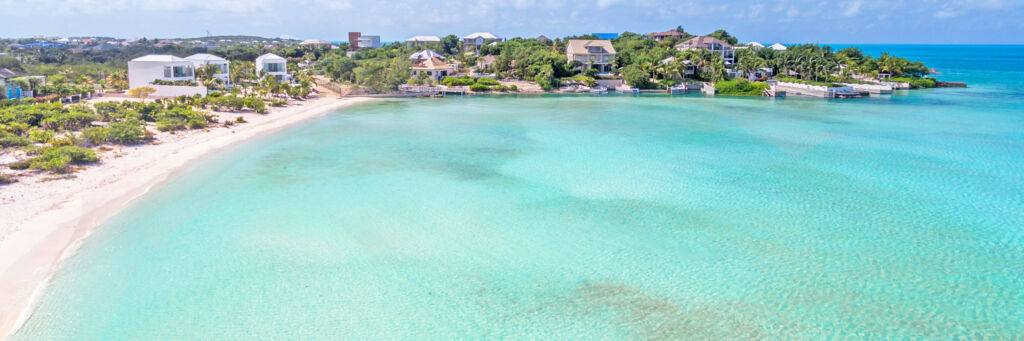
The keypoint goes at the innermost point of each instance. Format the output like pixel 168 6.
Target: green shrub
pixel 126 132
pixel 740 87
pixel 66 140
pixel 240 119
pixel 197 123
pixel 513 87
pixel 487 81
pixel 915 82
pixel 170 124
pixel 20 165
pixel 59 159
pixel 95 135
pixel 11 140
pixel 457 81
pixel 500 88
pixel 479 87
pixel 7 179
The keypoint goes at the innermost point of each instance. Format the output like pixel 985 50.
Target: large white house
pixel 593 54
pixel 273 65
pixel 372 42
pixel 200 60
pixel 422 40
pixel 475 40
pixel 145 70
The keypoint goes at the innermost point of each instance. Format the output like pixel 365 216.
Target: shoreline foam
pixel 46 221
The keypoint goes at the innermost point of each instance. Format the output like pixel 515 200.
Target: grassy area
pixel 916 82
pixel 804 81
pixel 740 87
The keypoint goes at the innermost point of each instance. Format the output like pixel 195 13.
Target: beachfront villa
pixel 476 40
pixel 422 40
pixel 661 36
pixel 594 54
pixel 201 60
pixel 147 70
pixel 712 44
pixel 273 65
pixel 430 64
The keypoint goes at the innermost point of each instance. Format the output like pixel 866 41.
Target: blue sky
pixel 787 21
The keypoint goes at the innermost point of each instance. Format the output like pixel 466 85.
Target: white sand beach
pixel 43 220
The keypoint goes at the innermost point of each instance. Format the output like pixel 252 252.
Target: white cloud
pixel 853 9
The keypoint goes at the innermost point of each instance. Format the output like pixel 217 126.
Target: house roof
pixel 755 44
pixel 778 47
pixel 669 33
pixel 432 64
pixel 485 35
pixel 270 56
pixel 424 39
pixel 315 42
pixel 6 73
pixel 425 54
pixel 702 42
pixel 205 57
pixel 543 38
pixel 583 46
pixel 163 58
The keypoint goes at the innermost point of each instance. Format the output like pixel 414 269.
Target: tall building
pixel 353 40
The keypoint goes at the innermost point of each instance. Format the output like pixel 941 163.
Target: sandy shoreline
pixel 43 222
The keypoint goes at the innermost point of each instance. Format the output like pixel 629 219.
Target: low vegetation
pixel 740 87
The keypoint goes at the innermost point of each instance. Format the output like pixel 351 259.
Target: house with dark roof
pixel 661 36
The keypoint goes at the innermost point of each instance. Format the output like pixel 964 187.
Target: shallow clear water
pixel 584 217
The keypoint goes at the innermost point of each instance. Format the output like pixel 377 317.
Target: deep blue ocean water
pixel 586 217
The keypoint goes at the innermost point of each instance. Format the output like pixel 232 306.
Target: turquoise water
pixel 616 217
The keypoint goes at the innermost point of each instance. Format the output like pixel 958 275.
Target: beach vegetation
pixel 58 159
pixel 740 87
pixel 487 81
pixel 479 88
pixel 7 179
pixel 915 82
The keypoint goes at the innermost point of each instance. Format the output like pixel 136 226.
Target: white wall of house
pixel 273 65
pixel 225 67
pixel 143 71
pixel 372 42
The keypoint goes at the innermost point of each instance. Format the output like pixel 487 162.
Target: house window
pixel 167 72
pixel 273 67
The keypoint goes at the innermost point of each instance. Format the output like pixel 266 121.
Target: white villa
pixel 755 45
pixel 273 65
pixel 711 44
pixel 202 59
pixel 478 39
pixel 422 40
pixel 372 42
pixel 778 47
pixel 143 71
pixel 594 54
